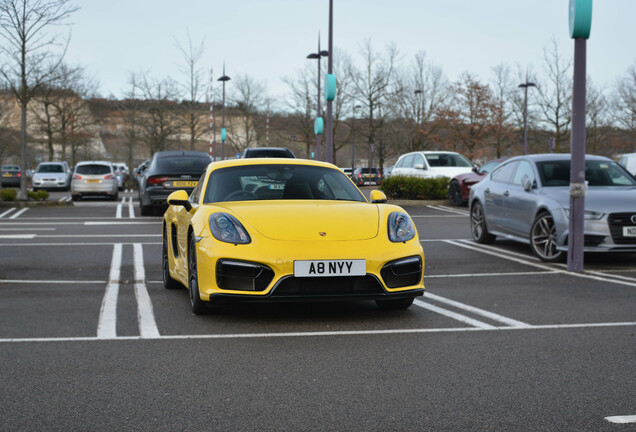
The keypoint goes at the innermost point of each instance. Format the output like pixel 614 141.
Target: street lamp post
pixel 223 79
pixel 353 141
pixel 422 119
pixel 317 56
pixel 525 86
pixel 329 138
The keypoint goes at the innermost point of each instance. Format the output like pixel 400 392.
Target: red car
pixel 459 187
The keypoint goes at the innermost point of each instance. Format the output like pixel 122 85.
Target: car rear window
pixel 182 164
pixel 93 169
pixel 268 153
pixel 50 168
pixel 447 160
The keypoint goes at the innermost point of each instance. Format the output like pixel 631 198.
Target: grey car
pixel 94 178
pixel 527 199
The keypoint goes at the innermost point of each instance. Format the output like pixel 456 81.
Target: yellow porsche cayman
pixel 288 229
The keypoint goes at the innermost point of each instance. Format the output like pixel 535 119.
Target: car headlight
pixel 588 215
pixel 401 227
pixel 226 228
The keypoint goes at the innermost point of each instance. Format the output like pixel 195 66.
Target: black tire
pixel 146 210
pixel 199 307
pixel 455 194
pixel 478 227
pixel 395 304
pixel 168 281
pixel 114 197
pixel 75 197
pixel 543 239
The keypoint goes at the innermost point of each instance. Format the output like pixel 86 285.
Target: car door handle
pixel 506 194
pixel 487 190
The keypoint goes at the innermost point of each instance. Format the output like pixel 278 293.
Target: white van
pixel 628 161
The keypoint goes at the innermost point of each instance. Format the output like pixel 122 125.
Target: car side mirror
pixel 475 169
pixel 180 198
pixel 377 197
pixel 419 166
pixel 527 183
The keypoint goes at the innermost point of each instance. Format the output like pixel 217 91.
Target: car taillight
pixel 359 175
pixel 77 177
pixel 19 174
pixel 157 180
pixel 109 177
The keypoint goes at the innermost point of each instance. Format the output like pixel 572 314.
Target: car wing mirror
pixel 180 198
pixel 377 197
pixel 527 183
pixel 419 166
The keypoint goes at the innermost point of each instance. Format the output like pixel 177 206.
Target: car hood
pixel 309 220
pixel 601 199
pixel 49 175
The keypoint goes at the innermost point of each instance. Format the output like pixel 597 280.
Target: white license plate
pixel 322 268
pixel 629 231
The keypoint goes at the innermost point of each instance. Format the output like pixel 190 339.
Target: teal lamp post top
pixel 318 126
pixel 580 18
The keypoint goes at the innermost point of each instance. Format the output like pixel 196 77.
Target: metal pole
pixel 223 121
pixel 329 137
pixel 577 171
pixel 212 131
pixel 319 136
pixel 525 119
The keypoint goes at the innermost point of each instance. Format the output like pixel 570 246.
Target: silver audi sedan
pixel 527 199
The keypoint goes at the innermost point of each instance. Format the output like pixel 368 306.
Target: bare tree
pixel 31 54
pixel 371 87
pixel 597 119
pixel 624 104
pixel 249 99
pixel 501 111
pixel 301 102
pixel 555 95
pixel 194 86
pixel 159 116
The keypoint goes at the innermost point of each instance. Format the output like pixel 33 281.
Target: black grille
pixel 346 286
pixel 242 275
pixel 616 223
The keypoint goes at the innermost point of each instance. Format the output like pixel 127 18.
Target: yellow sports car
pixel 288 229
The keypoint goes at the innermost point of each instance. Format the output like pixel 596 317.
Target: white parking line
pixel 477 311
pixel 131 210
pixel 147 325
pixel 624 419
pixel 17 236
pixel 118 211
pixel 18 213
pixel 107 323
pixel 7 212
pixel 449 210
pixel 454 315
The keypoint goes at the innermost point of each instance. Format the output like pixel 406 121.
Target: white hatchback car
pixel 431 164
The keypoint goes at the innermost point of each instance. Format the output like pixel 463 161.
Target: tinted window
pixel 504 173
pixel 447 160
pixel 181 164
pixel 489 167
pixel 93 169
pixel 272 182
pixel 282 153
pixel 597 173
pixel 50 168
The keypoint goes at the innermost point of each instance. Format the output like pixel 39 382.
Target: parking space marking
pixel 623 419
pixel 131 210
pixel 107 323
pixel 88 223
pixel 490 315
pixel 147 325
pixel 470 275
pixel 454 315
pixel 448 209
pixel 17 236
pixel 118 210
pixel 6 212
pixel 337 333
pixel 18 213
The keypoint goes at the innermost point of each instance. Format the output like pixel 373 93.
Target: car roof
pixel 269 161
pixel 556 156
pixel 173 153
pixel 94 162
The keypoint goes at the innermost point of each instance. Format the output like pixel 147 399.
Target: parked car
pixel 628 161
pixel 288 230
pixel 527 199
pixel 10 175
pixel 430 164
pixel 347 171
pixel 366 176
pixel 459 187
pixel 51 175
pixel 267 152
pixel 94 178
pixel 137 172
pixel 169 171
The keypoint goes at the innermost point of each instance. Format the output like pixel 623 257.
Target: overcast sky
pixel 270 39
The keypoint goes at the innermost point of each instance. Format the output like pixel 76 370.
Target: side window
pixel 418 159
pixel 195 195
pixel 504 173
pixel 408 161
pixel 524 169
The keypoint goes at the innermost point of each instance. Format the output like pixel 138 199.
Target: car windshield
pixel 182 164
pixel 597 173
pixel 268 153
pixel 447 160
pixel 275 182
pixel 50 168
pixel 93 169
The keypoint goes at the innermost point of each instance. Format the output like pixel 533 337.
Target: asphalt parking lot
pixel 90 339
